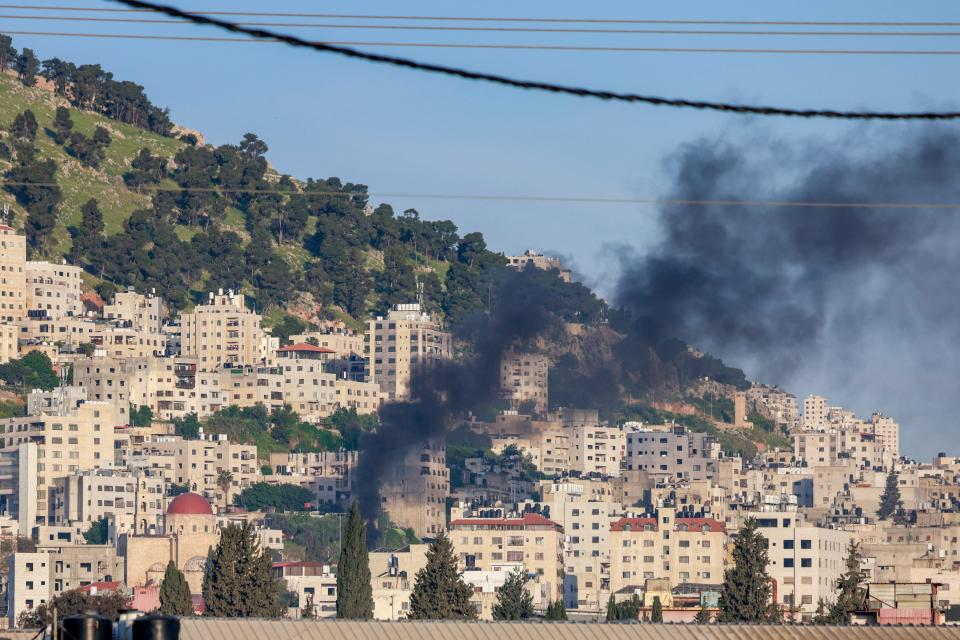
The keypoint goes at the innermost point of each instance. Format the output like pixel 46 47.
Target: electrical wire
pixel 472 29
pixel 339 44
pixel 346 16
pixel 542 198
pixel 536 86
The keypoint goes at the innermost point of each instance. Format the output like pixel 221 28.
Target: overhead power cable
pixel 535 85
pixel 499 29
pixel 340 44
pixel 803 204
pixel 346 16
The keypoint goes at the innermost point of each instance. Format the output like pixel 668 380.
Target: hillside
pixel 136 205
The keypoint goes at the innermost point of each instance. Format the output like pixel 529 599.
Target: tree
pixel 656 613
pixel 141 417
pixel 108 604
pixel 32 371
pixel 746 586
pixel 283 497
pixel 224 481
pixel 439 592
pixel 8 52
pixel 627 610
pixel 97 533
pixel 703 616
pixel 23 129
pixel 556 610
pixel 62 126
pixel 354 593
pixel 850 593
pixel 514 602
pixel 33 183
pixel 175 597
pixel 238 581
pixel 27 66
pixel 890 500
pixel 309 611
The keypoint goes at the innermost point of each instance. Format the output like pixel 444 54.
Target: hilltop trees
pixel 514 602
pixel 238 581
pixel 175 597
pixel 62 126
pixel 746 586
pixel 439 592
pixel 890 500
pixel 24 128
pixel 354 593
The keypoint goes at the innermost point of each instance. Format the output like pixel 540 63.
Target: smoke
pixel 448 389
pixel 859 304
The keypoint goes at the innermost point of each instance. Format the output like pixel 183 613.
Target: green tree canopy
pixel 278 497
pixel 354 592
pixel 32 371
pixel 175 597
pixel 850 591
pixel 746 590
pixel 556 610
pixel 656 612
pixel 239 581
pixel 439 591
pixel 514 602
pixel 97 532
pixel 890 502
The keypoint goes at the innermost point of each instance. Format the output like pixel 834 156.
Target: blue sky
pixel 403 131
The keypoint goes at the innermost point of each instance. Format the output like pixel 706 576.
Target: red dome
pixel 190 504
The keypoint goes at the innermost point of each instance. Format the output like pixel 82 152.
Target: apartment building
pixel 144 312
pixel 547 442
pixel 197 463
pixel 805 561
pixel 13 279
pixel 415 489
pixel 816 448
pixel 121 339
pixel 596 449
pixel 329 473
pixel 134 501
pixel 53 290
pixel 67 442
pixel 887 431
pixel 536 260
pixel 19 494
pixel 9 342
pixel 392 574
pixel 28 583
pixel 815 412
pixel 348 360
pixel 224 331
pixel 523 380
pixel 308 387
pixel 675 453
pixel 314 583
pixel 407 338
pixel 680 549
pixel 531 538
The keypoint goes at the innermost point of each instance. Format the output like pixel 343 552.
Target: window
pixel 788 563
pixel 805 544
pixel 806 563
pixel 788 544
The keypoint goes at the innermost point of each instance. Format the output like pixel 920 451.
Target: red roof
pixel 190 503
pixel 304 347
pixel 6 227
pixel 528 520
pixel 691 524
pixel 101 586
pixel 300 563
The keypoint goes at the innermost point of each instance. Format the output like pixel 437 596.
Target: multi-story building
pixel 887 431
pixel 348 361
pixel 19 494
pixel 816 448
pixel 546 442
pixel 307 385
pixel 67 442
pixel 596 449
pixel 683 550
pixel 398 344
pixel 134 501
pixel 530 538
pixel 536 260
pixel 314 583
pixel 144 312
pixel 329 473
pixel 28 583
pixel 392 574
pixel 414 490
pixel 9 342
pixel 805 561
pixel 815 412
pixel 224 331
pixel 121 339
pixel 13 281
pixel 523 380
pixel 53 290
pixel 676 453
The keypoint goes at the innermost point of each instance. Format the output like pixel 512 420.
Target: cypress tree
pixel 175 597
pixel 439 592
pixel 656 615
pixel 849 587
pixel 612 610
pixel 239 581
pixel 746 586
pixel 354 591
pixel 890 500
pixel 556 610
pixel 514 602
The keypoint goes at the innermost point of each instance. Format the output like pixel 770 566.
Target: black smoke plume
pixel 447 390
pixel 857 303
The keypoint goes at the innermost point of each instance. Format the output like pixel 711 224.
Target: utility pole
pixel 53 625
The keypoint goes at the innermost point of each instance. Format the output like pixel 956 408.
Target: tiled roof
pixel 304 347
pixel 528 519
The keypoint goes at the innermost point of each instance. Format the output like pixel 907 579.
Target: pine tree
pixel 703 616
pixel 514 602
pixel 23 129
pixel 354 592
pixel 239 580
pixel 656 615
pixel 62 125
pixel 439 592
pixel 849 587
pixel 890 500
pixel 88 237
pixel 175 597
pixel 746 586
pixel 556 610
pixel 612 609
